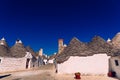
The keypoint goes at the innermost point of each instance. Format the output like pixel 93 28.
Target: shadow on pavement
pixel 3 76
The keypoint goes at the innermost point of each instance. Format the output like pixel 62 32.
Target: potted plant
pixel 77 75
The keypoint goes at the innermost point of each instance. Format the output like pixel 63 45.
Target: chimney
pixel 60 45
pixel 41 52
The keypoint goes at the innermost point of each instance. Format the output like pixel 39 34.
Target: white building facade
pixel 96 64
pixel 8 64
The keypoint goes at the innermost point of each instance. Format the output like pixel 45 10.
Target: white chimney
pixel 41 52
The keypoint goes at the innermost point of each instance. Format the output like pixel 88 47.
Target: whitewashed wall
pixel 96 64
pixel 46 61
pixel 12 64
pixel 51 61
pixel 113 67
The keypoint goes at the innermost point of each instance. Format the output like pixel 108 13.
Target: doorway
pixel 27 63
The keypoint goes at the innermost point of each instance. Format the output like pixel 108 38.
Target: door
pixel 27 63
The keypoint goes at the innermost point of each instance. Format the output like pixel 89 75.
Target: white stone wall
pixel 51 61
pixel 96 64
pixel 46 61
pixel 113 67
pixel 12 64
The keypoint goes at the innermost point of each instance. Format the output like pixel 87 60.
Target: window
pixel 116 63
pixel 0 60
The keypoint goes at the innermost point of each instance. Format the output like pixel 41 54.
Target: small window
pixel 0 60
pixel 116 63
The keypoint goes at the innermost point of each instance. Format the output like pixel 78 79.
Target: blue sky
pixel 40 23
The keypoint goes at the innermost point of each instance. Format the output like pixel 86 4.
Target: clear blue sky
pixel 40 23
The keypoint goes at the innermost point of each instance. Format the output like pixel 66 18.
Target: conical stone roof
pixel 18 50
pixel 76 48
pixel 4 48
pixel 4 51
pixel 116 40
pixel 3 42
pixel 99 45
pixel 29 49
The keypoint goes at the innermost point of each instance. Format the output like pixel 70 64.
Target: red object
pixel 110 74
pixel 77 76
